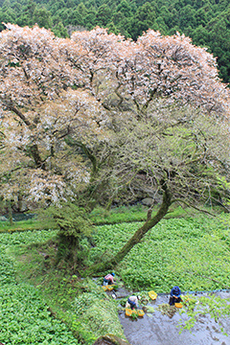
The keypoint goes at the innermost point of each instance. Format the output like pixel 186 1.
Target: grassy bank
pixel 59 307
pixel 25 316
pixel 100 216
pixel 192 252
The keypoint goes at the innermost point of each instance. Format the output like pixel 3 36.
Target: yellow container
pixel 152 295
pixel 108 287
pixel 129 312
pixel 178 305
pixel 140 313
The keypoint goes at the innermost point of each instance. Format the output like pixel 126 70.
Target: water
pixel 18 216
pixel 158 329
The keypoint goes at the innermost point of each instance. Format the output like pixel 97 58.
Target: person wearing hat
pixel 132 302
pixel 109 279
pixel 175 295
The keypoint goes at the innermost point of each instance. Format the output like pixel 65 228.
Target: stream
pixel 158 329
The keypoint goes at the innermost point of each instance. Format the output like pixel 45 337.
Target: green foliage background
pixel 207 22
pixel 192 253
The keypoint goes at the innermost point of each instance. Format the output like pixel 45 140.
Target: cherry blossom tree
pixel 42 103
pixel 171 67
pixel 110 115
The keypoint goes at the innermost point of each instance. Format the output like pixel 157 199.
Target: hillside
pixel 207 22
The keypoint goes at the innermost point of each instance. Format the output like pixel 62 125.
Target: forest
pixel 207 22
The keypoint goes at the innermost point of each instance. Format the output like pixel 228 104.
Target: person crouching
pixel 175 295
pixel 132 302
pixel 109 279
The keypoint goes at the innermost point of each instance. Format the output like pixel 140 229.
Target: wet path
pixel 158 329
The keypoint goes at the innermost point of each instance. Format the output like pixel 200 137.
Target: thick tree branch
pixel 86 150
pixel 137 237
pixel 19 113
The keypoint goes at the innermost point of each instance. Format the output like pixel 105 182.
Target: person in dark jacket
pixel 175 295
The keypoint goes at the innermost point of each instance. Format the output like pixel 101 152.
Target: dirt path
pixel 158 329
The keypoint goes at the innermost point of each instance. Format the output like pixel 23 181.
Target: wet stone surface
pixel 158 329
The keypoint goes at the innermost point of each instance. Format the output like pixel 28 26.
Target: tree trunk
pixel 10 215
pixel 136 238
pixel 34 152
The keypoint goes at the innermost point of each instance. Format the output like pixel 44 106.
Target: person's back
pixel 109 279
pixel 132 302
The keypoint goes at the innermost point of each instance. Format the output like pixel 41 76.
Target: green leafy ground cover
pixel 99 216
pixel 192 253
pixel 24 316
pixel 40 304
pixel 23 225
pixel 127 214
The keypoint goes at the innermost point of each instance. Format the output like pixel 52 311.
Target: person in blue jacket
pixel 175 295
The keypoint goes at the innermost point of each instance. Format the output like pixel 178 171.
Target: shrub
pixel 72 224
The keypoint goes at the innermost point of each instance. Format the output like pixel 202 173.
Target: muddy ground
pixel 158 329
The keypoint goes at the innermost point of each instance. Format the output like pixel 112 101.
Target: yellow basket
pixel 129 312
pixel 108 287
pixel 178 305
pixel 140 313
pixel 152 295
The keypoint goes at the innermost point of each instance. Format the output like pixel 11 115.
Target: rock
pixel 147 201
pixel 110 339
pixel 3 219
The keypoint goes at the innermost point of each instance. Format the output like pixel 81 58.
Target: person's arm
pixel 179 294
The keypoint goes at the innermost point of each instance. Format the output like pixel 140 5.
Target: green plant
pixel 68 303
pixel 192 253
pixel 25 317
pixel 213 305
pixel 72 224
pixel 167 309
pixel 134 316
pixel 117 215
